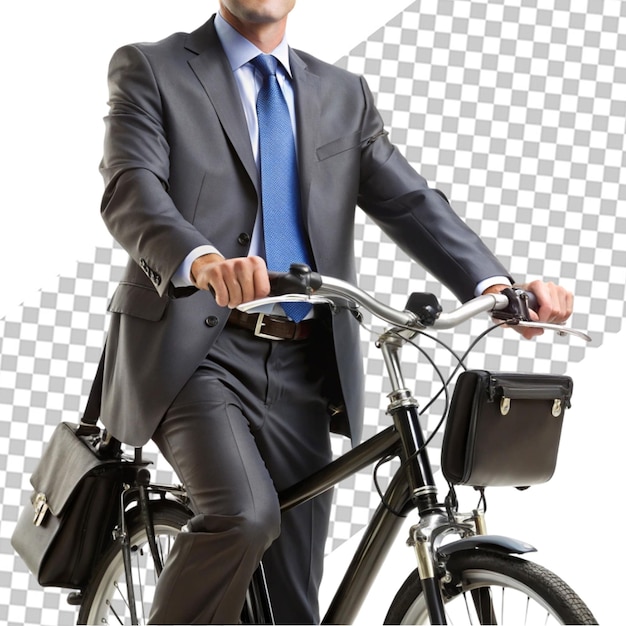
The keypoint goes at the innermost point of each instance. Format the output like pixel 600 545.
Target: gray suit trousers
pixel 252 420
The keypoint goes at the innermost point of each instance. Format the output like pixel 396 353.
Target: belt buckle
pixel 258 329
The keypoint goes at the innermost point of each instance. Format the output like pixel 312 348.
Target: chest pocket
pixel 338 146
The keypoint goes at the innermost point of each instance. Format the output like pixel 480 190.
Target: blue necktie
pixel 285 241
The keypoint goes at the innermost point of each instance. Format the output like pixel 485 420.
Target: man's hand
pixel 232 281
pixel 555 304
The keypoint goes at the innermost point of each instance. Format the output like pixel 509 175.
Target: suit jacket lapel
pixel 306 87
pixel 214 72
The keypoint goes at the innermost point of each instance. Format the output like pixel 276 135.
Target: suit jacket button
pixel 211 321
pixel 243 239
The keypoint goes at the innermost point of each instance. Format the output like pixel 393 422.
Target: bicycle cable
pixel 444 389
pixel 389 458
pixel 445 384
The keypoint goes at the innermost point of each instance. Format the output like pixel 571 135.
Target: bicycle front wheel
pixel 105 599
pixel 493 588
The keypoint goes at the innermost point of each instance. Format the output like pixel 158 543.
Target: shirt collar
pixel 240 50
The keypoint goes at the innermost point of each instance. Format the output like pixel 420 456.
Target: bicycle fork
pixel 430 582
pixel 423 538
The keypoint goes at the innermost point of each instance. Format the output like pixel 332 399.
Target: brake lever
pixel 517 313
pixel 292 297
pixel 557 328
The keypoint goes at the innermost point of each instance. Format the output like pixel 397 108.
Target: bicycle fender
pixel 499 543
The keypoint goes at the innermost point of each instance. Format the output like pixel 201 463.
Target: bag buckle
pixel 41 508
pixel 505 405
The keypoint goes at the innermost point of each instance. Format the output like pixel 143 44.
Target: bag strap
pixel 87 425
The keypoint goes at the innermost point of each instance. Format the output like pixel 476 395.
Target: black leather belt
pixel 272 326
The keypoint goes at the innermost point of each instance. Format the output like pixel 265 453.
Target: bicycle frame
pixel 412 486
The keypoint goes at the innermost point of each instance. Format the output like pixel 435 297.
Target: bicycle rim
pixel 106 597
pixel 519 592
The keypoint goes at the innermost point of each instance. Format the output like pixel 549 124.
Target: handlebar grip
pixel 299 279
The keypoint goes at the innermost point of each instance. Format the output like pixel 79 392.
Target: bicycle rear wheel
pixel 105 599
pixel 517 592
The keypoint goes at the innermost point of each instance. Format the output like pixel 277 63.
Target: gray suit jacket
pixel 179 172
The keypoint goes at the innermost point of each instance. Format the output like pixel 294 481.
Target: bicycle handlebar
pixel 422 310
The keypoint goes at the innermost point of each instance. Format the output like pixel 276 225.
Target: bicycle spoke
pixel 467 609
pixel 121 595
pixel 115 613
pixel 527 609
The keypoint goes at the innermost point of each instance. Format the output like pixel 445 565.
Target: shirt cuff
pixel 182 276
pixel 488 282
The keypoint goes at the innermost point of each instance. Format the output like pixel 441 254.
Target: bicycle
pixel 475 578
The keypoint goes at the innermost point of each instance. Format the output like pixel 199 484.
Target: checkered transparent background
pixel 516 110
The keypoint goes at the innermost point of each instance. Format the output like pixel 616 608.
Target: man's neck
pixel 264 35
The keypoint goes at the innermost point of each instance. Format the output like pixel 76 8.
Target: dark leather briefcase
pixel 504 429
pixel 62 533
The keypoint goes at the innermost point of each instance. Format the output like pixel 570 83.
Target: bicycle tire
pixel 104 599
pixel 528 592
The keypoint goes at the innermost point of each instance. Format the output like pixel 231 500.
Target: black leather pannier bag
pixel 504 429
pixel 62 534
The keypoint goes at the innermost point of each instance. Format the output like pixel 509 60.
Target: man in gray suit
pixel 237 413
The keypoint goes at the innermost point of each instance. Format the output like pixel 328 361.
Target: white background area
pixel 53 64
